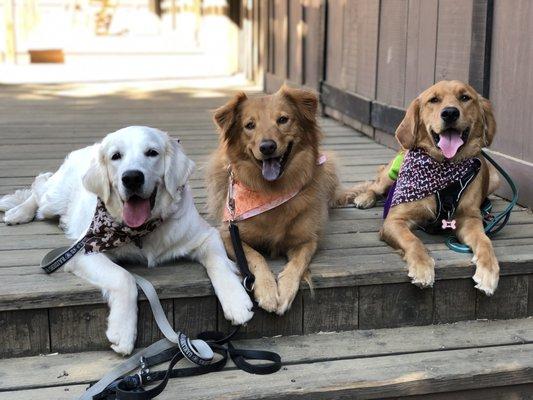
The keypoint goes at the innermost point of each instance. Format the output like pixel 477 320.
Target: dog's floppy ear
pixel 407 131
pixel 178 167
pixel 96 179
pixel 306 101
pixel 489 123
pixel 226 116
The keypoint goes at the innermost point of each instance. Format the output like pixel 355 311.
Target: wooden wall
pixel 370 58
pixel 295 34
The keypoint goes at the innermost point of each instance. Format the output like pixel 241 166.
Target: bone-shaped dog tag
pixel 448 224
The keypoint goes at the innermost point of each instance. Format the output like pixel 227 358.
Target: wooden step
pixel 360 283
pixel 465 360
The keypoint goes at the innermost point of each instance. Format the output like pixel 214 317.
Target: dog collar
pixel 244 202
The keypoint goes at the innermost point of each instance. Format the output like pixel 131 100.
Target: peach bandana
pixel 249 203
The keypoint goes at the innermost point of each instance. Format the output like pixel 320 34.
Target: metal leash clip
pixel 143 371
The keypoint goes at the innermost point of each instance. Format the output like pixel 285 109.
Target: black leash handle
pixel 131 387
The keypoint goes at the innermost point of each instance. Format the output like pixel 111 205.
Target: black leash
pixel 132 387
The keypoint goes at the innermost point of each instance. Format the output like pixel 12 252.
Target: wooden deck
pixel 360 282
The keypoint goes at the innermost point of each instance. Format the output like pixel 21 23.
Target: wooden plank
pixel 295 38
pixel 385 306
pixel 370 378
pixel 195 315
pixel 509 301
pixel 24 332
pixel 530 297
pixel 480 47
pixel 455 300
pixel 511 25
pixel 367 27
pixel 314 17
pixel 453 38
pixel 329 269
pixel 330 310
pixel 78 328
pixel 392 52
pixel 523 391
pixel 335 42
pixel 421 47
pixel 280 32
pixel 88 366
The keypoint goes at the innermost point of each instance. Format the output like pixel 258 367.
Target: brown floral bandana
pixel 103 234
pixel 106 234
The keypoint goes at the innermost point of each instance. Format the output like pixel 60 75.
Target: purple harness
pixel 421 176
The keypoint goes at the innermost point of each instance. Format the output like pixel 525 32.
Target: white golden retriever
pixel 141 175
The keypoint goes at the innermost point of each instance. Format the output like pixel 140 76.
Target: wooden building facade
pixel 370 58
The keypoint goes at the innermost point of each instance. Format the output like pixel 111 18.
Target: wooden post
pixel 10 35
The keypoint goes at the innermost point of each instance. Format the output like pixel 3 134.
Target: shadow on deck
pixel 360 282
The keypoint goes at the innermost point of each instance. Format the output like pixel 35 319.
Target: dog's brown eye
pixel 434 100
pixel 283 120
pixel 116 156
pixel 151 153
pixel 250 125
pixel 464 97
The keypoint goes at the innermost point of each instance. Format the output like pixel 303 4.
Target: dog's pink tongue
pixel 271 169
pixel 449 142
pixel 136 212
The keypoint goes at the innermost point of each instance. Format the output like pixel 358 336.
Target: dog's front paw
pixel 17 215
pixel 236 303
pixel 365 200
pixel 122 338
pixel 422 272
pixel 288 285
pixel 266 291
pixel 487 274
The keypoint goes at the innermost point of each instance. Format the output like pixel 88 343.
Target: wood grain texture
pixel 78 328
pixel 509 302
pixel 72 369
pixel 330 310
pixel 455 300
pixel 195 315
pixel 511 93
pixel 367 378
pixel 392 52
pixel 23 333
pixel 385 306
pixel 453 38
pixel 421 47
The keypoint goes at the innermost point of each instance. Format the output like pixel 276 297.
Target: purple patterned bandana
pixel 421 176
pixel 105 233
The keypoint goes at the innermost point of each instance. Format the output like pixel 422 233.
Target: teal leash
pixel 498 222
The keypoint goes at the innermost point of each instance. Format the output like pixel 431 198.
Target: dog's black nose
pixel 133 179
pixel 449 114
pixel 267 147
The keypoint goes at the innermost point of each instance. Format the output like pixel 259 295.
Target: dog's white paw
pixel 18 215
pixel 235 303
pixel 422 273
pixel 122 339
pixel 487 276
pixel 365 200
